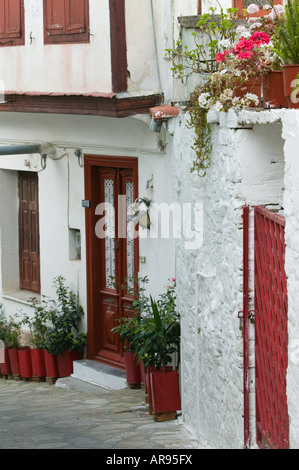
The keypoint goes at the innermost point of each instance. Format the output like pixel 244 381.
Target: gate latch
pixel 251 317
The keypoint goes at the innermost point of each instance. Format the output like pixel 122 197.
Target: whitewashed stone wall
pixel 247 168
pixel 291 204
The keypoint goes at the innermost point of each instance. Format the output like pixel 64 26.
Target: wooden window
pixel 29 253
pixel 12 22
pixel 66 21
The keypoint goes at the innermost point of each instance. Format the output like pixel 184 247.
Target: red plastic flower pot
pixel 38 363
pixel 165 391
pixel 252 85
pixel 14 362
pixel 132 370
pixel 290 73
pixel 25 363
pixel 273 90
pixel 5 366
pixel 65 362
pixel 51 365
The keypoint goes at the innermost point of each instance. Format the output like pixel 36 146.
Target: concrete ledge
pixel 99 374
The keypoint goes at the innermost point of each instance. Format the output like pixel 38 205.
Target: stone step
pixel 99 374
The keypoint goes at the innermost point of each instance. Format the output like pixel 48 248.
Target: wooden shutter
pixel 13 18
pixel 11 22
pixel 75 16
pixel 29 232
pixel 66 21
pixel 54 17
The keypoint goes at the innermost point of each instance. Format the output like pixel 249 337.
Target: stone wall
pixel 247 168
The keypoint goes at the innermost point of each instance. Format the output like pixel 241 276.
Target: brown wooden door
pixel 112 256
pixel 29 253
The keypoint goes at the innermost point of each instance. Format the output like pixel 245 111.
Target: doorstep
pixel 99 374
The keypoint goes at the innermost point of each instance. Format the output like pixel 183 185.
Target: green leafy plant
pixel 38 322
pixel 214 33
pixel 12 334
pixel 64 321
pixel 286 37
pixel 154 333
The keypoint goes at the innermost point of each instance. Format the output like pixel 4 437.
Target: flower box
pixel 165 391
pixel 24 355
pixel 5 366
pixel 133 375
pixel 290 73
pixel 38 363
pixel 273 90
pixel 51 365
pixel 14 362
pixel 65 362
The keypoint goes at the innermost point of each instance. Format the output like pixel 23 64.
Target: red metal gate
pixel 271 339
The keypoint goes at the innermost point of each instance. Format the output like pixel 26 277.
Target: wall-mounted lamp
pixel 79 154
pixel 140 212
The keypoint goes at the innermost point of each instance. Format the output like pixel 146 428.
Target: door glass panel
pixel 130 237
pixel 109 233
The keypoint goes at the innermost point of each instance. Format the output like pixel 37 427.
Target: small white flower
pixel 241 29
pixel 252 8
pixel 267 7
pixel 224 43
pixel 257 24
pixel 217 106
pixel 252 97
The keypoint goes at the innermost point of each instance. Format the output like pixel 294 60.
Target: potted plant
pixel 286 46
pixel 62 338
pixel 4 362
pixel 37 324
pixel 269 17
pixel 158 341
pixel 12 344
pixel 127 329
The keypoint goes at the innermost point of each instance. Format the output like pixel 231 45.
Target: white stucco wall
pixel 61 190
pixel 247 168
pixel 57 68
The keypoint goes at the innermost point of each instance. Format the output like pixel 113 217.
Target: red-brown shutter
pixel 75 14
pixel 29 232
pixel 13 18
pixel 54 17
pixel 2 19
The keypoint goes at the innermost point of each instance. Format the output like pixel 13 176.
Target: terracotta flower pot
pixel 25 363
pixel 65 362
pixel 252 85
pixel 273 90
pixel 289 76
pixel 165 391
pixel 38 363
pixel 132 370
pixel 51 365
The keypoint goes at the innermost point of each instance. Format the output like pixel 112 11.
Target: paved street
pixel 77 415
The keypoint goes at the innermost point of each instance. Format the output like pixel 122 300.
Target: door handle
pixel 117 245
pixel 109 301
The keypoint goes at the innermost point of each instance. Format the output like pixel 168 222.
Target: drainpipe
pixel 44 149
pixel 24 149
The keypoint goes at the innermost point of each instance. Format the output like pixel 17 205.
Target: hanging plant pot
pixel 273 90
pixel 165 394
pixel 290 73
pixel 132 370
pixel 51 365
pixel 5 366
pixel 14 362
pixel 65 362
pixel 38 363
pixel 252 85
pixel 25 363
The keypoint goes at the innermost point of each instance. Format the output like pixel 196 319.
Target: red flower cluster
pixel 245 47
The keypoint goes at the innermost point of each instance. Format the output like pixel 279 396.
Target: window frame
pixel 66 38
pixel 14 41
